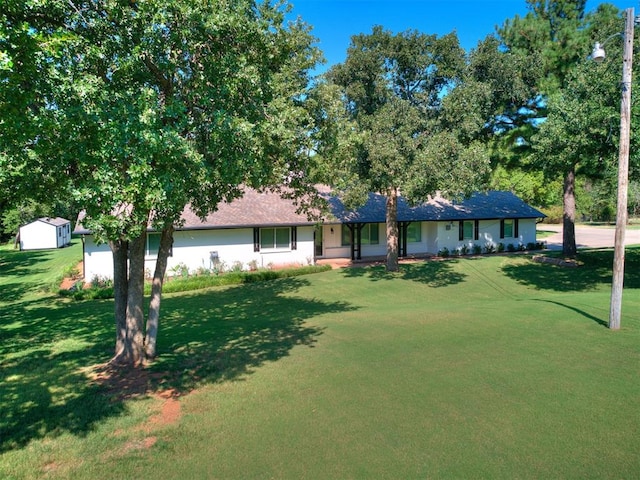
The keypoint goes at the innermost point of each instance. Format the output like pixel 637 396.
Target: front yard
pixel 493 367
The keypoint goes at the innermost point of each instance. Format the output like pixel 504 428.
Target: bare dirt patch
pixel 170 412
pixel 68 282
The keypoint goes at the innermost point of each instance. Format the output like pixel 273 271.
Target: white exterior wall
pixel 98 260
pixel 435 237
pixel 193 248
pixel 489 233
pixel 42 235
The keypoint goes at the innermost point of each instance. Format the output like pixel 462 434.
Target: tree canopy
pixel 391 88
pixel 137 109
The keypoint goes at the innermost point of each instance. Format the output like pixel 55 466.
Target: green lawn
pixel 469 368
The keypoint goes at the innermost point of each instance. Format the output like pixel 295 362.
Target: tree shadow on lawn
pixel 599 321
pixel 434 273
pixel 15 262
pixel 595 270
pixel 12 292
pixel 53 354
pixel 227 334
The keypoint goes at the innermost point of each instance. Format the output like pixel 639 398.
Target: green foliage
pixel 137 109
pixel 392 86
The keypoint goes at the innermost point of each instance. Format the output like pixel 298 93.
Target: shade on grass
pixel 470 368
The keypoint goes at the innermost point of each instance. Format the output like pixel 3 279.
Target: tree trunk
pixel 134 342
pixel 166 241
pixel 120 252
pixel 569 215
pixel 392 231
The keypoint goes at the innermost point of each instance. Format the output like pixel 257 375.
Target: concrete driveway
pixel 588 237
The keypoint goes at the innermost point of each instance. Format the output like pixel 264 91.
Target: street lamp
pixel 598 55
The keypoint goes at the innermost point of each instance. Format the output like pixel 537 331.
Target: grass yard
pixel 495 367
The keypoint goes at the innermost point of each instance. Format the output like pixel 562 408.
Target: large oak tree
pixel 394 137
pixel 139 108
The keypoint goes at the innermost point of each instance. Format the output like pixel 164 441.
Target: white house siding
pixel 43 235
pixel 489 233
pixel 435 237
pixel 193 248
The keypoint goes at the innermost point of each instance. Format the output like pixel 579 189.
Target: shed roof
pixel 56 222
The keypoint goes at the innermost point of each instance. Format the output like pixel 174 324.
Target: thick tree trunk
pixel 133 353
pixel 569 215
pixel 166 241
pixel 135 297
pixel 120 250
pixel 392 231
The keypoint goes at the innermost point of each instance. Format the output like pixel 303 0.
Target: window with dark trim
pixel 153 245
pixel 370 235
pixel 509 228
pixel 275 238
pixel 469 230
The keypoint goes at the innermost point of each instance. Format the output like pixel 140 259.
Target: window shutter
pixel 461 230
pixel 516 233
pixel 502 228
pixel 294 238
pixel 256 239
pixel 476 230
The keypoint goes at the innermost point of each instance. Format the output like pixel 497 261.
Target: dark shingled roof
pixel 258 209
pixel 480 206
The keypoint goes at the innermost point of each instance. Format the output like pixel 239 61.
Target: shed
pixel 45 233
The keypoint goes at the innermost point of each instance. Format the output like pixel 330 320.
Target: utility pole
pixel 623 173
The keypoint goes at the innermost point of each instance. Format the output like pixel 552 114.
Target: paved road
pixel 588 237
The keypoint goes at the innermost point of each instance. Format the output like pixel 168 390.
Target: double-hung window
pixel 153 245
pixel 275 238
pixel 509 228
pixel 469 230
pixel 414 232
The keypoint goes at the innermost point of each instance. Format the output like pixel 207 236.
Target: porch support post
pixel 359 227
pixel 351 228
pixel 402 231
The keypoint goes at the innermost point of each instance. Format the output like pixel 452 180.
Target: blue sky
pixel 335 21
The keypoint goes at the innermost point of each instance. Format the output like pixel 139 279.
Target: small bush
pixel 511 248
pixel 500 247
pixel 101 282
pixel 193 282
pixel 531 246
pixel 489 248
pixel 477 249
pixel 180 270
pixel 464 249
pixel 444 252
pixel 237 266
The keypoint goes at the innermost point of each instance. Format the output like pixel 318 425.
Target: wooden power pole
pixel 623 173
